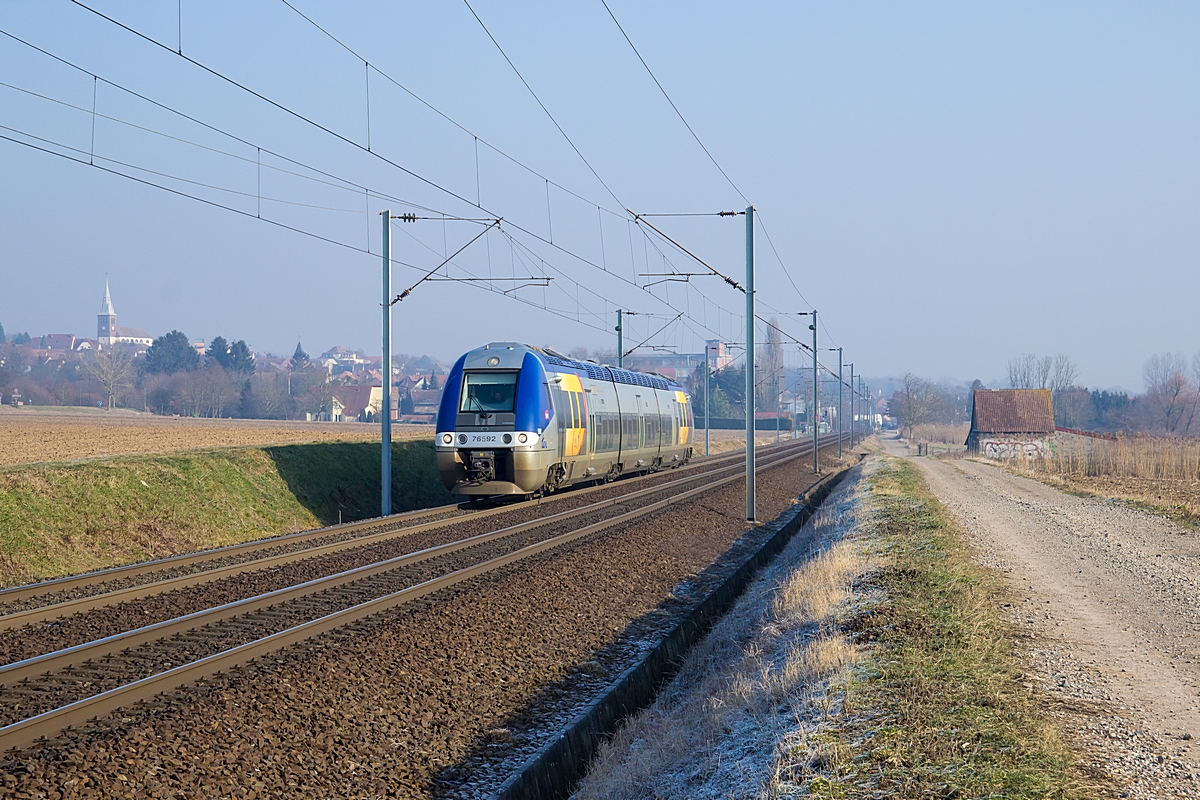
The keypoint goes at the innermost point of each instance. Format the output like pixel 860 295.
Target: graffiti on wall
pixel 1014 448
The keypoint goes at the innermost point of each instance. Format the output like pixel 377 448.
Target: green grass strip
pixel 936 708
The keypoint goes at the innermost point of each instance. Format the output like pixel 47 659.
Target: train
pixel 521 420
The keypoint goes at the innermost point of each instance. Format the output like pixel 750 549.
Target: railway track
pixel 50 599
pixel 45 694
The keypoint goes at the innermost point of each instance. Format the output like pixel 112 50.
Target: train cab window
pixel 489 392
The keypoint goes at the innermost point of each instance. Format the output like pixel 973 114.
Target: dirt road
pixel 1108 597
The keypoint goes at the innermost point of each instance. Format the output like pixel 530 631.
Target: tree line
pixel 172 377
pixel 1169 404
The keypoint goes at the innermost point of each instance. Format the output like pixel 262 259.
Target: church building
pixel 107 332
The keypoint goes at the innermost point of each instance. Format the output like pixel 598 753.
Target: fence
pixel 735 424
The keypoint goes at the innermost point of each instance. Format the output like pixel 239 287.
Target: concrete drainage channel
pixel 552 772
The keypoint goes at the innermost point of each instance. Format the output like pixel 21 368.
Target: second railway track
pixel 49 599
pixel 51 691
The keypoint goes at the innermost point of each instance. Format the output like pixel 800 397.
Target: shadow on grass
pixel 329 478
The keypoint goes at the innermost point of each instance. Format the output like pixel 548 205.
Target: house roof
pixel 130 333
pixel 355 399
pixel 59 341
pixel 1012 411
pixel 426 397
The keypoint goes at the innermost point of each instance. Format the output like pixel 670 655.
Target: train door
pixel 658 418
pixel 628 426
pixel 688 425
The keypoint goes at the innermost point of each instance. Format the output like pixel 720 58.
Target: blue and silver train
pixel 519 420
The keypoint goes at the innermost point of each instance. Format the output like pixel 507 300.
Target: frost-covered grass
pixel 715 731
pixel 934 707
pixel 873 666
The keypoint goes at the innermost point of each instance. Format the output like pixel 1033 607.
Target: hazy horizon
pixel 951 186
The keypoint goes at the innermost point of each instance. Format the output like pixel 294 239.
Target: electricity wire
pixel 352 143
pixel 479 139
pixel 679 113
pixel 345 139
pixel 692 131
pixel 540 103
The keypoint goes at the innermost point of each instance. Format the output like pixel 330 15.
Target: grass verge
pixel 57 519
pixel 935 707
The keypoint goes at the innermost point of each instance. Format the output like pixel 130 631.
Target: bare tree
pixel 1056 373
pixel 1023 371
pixel 113 369
pixel 1063 374
pixel 913 402
pixel 1172 396
pixel 771 361
pixel 206 392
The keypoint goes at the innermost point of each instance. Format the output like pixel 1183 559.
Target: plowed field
pixel 32 435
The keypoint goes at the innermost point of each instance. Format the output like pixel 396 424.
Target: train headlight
pixel 447 438
pixel 462 438
pixel 507 438
pixel 522 438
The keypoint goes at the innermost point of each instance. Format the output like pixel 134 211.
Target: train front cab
pixel 496 431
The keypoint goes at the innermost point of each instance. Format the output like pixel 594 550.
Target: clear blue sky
pixel 950 184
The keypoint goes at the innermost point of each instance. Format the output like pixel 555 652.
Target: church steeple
pixel 106 306
pixel 106 320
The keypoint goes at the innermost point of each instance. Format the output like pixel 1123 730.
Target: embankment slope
pixel 60 518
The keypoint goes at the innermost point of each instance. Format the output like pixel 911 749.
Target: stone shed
pixel 1011 423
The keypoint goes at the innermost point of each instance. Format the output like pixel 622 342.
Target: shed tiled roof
pixel 1012 411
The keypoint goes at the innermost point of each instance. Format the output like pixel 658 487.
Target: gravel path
pixel 1106 596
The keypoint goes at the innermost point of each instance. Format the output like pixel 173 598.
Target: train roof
pixel 591 369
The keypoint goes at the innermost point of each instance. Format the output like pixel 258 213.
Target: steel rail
pixel 66 583
pixel 57 660
pixel 52 611
pixel 28 731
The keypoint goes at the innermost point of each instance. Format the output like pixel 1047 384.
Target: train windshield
pixel 489 392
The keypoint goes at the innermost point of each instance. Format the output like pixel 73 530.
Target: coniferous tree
pixel 241 360
pixel 720 404
pixel 3 338
pixel 218 350
pixel 171 353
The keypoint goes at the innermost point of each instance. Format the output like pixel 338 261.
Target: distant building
pixel 107 332
pixel 425 406
pixel 1011 423
pixel 58 341
pixel 681 366
pixel 670 365
pixel 352 403
pixel 719 354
